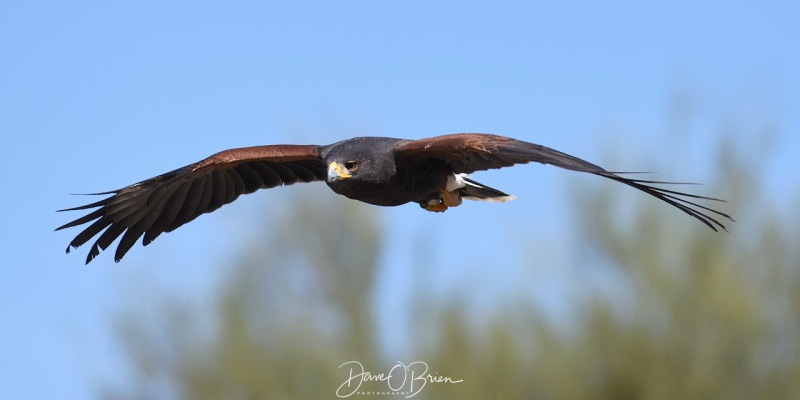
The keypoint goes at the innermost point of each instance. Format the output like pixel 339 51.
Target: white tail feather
pixel 501 199
pixel 471 190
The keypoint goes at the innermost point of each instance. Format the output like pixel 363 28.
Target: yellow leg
pixel 449 199
pixel 436 207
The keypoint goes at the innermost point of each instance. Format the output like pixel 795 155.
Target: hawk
pixel 383 171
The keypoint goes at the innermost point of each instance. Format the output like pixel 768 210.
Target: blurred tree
pixel 692 314
pixel 293 310
pixel 695 315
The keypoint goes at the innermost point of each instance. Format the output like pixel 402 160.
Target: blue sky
pixel 98 95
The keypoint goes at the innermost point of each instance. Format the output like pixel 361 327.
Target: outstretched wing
pixel 470 152
pixel 165 202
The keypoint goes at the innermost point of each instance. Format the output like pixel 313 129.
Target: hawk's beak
pixel 337 171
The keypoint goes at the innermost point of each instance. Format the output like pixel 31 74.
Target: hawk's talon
pixel 434 207
pixel 451 199
pixel 445 201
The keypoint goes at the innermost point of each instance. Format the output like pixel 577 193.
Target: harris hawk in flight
pixel 383 171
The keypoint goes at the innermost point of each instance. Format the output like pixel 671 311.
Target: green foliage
pixel 691 313
pixel 695 314
pixel 296 305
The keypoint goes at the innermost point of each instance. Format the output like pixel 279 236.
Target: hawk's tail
pixel 475 191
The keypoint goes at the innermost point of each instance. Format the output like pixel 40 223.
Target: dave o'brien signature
pixel 415 373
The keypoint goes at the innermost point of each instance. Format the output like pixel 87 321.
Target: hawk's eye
pixel 351 165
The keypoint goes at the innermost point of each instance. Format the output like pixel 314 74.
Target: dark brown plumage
pixel 376 170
